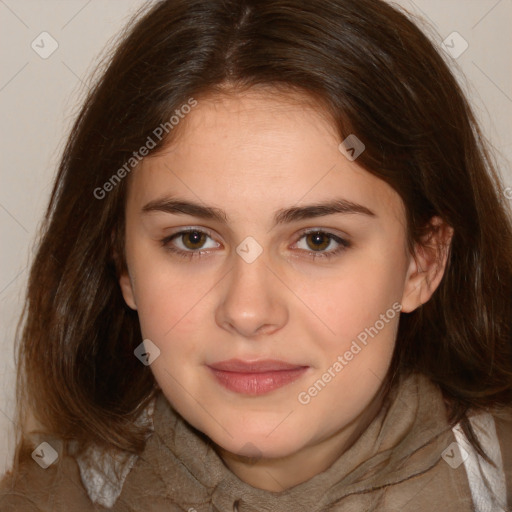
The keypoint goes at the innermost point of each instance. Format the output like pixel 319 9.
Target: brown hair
pixel 388 86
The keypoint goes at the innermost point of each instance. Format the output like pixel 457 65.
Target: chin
pixel 259 446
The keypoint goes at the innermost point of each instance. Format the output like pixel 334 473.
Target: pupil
pixel 194 237
pixel 319 240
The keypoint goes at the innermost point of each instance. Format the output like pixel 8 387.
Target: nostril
pixel 235 506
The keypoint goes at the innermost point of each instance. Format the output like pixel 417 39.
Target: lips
pixel 267 365
pixel 255 377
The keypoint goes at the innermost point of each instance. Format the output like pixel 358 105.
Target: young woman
pixel 275 274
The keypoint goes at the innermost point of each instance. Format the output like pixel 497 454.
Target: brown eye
pixel 322 244
pixel 319 241
pixel 190 243
pixel 193 239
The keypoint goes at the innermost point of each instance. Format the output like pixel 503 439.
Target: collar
pixel 405 440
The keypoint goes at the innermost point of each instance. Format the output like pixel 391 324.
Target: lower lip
pixel 257 383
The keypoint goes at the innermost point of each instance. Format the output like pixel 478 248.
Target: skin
pixel 253 155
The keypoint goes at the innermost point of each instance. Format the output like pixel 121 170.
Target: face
pixel 264 276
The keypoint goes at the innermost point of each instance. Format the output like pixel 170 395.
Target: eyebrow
pixel 178 206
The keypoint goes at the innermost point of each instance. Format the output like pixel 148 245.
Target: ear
pixel 427 265
pixel 125 282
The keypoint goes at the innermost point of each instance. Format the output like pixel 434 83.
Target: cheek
pixel 168 295
pixel 354 361
pixel 355 298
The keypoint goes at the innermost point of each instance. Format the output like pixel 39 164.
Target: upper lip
pixel 266 365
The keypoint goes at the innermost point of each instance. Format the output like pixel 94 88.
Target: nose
pixel 253 299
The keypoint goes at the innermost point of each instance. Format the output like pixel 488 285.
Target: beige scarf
pixel 404 461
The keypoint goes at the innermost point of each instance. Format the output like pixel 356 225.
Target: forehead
pixel 258 151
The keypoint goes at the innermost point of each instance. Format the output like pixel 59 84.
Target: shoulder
pixel 49 481
pixel 11 501
pixel 503 425
pixel 490 484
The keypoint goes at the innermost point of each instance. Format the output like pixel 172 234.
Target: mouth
pixel 255 377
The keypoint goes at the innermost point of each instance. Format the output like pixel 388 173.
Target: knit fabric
pixel 408 459
pixel 404 451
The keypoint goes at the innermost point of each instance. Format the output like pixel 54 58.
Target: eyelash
pixel 343 244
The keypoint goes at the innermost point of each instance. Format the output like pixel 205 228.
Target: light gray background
pixel 40 97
